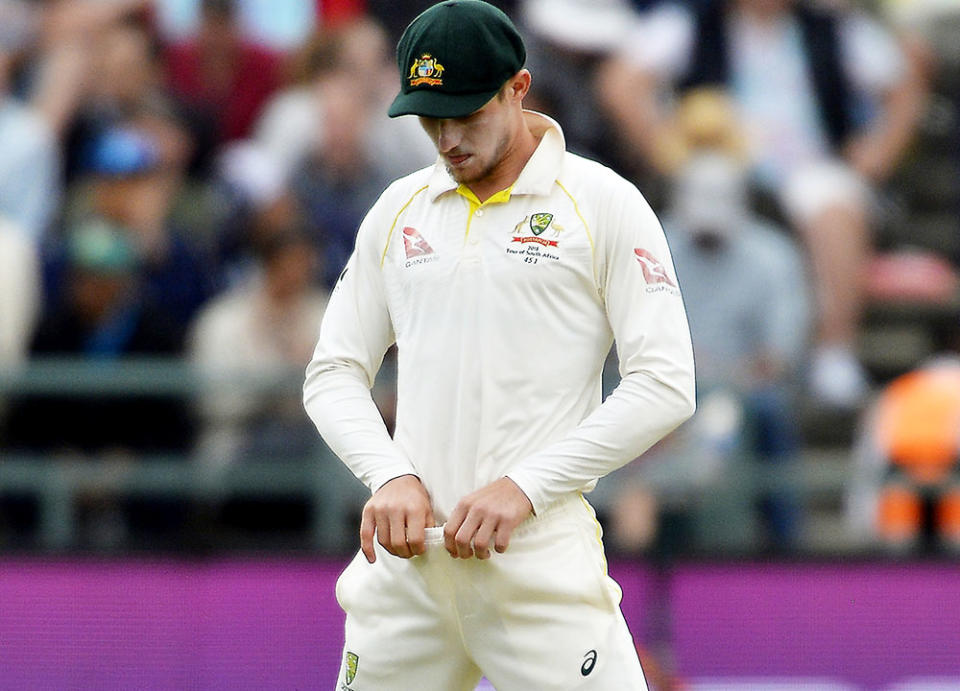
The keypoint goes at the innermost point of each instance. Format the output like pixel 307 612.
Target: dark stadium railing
pixel 57 480
pixel 334 497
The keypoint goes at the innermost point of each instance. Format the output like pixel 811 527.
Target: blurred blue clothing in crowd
pixel 126 168
pixel 748 303
pixel 749 321
pixel 335 204
pixel 102 315
pixel 180 280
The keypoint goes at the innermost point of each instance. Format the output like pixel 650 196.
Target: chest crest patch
pixel 537 224
pixel 526 240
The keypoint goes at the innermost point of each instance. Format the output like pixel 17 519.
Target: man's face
pixel 473 146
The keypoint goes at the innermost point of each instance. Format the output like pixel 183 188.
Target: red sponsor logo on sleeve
pixel 653 271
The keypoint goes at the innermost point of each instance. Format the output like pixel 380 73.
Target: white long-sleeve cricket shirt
pixel 503 313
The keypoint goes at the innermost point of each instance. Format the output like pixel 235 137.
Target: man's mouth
pixel 458 159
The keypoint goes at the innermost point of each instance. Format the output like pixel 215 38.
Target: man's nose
pixel 448 136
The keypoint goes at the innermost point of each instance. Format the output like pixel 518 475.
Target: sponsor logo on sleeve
pixel 654 273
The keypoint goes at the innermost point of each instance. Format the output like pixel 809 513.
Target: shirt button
pixel 478 212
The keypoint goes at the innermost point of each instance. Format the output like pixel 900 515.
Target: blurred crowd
pixel 184 179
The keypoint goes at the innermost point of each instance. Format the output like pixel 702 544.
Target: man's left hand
pixel 488 515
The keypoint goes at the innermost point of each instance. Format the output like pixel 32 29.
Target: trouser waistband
pixel 573 501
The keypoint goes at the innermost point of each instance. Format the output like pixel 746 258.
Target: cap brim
pixel 435 104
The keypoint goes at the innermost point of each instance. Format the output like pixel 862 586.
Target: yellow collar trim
pixel 500 197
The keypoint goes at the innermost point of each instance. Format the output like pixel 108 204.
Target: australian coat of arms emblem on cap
pixel 426 70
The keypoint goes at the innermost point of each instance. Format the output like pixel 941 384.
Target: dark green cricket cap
pixel 454 57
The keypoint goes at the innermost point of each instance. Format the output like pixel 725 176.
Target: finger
pixel 464 537
pixel 368 527
pixel 481 541
pixel 398 536
pixel 416 537
pixel 383 533
pixel 450 530
pixel 502 540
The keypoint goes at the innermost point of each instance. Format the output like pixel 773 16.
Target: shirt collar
pixel 537 176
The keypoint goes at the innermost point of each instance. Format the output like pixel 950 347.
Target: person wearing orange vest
pixel 907 487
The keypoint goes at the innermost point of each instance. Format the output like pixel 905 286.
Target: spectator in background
pixel 330 134
pixel 575 38
pixel 337 180
pixel 264 327
pixel 19 308
pixel 265 330
pixel 279 25
pixel 396 14
pixel 745 289
pixel 251 185
pixel 905 493
pixel 29 155
pixel 128 87
pixel 223 78
pixel 19 293
pixel 133 182
pixel 103 317
pixel 357 52
pixel 828 104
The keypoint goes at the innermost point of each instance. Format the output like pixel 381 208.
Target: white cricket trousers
pixel 542 616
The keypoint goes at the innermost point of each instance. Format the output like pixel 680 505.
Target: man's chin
pixel 461 177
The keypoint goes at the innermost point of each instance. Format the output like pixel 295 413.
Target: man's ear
pixel 519 85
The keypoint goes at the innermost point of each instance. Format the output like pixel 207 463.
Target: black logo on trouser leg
pixel 589 661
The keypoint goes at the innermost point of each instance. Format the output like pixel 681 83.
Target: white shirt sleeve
pixel 656 392
pixel 355 333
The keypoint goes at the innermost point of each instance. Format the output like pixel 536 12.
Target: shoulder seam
pixel 586 227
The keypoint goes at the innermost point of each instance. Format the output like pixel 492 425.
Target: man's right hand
pixel 398 514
